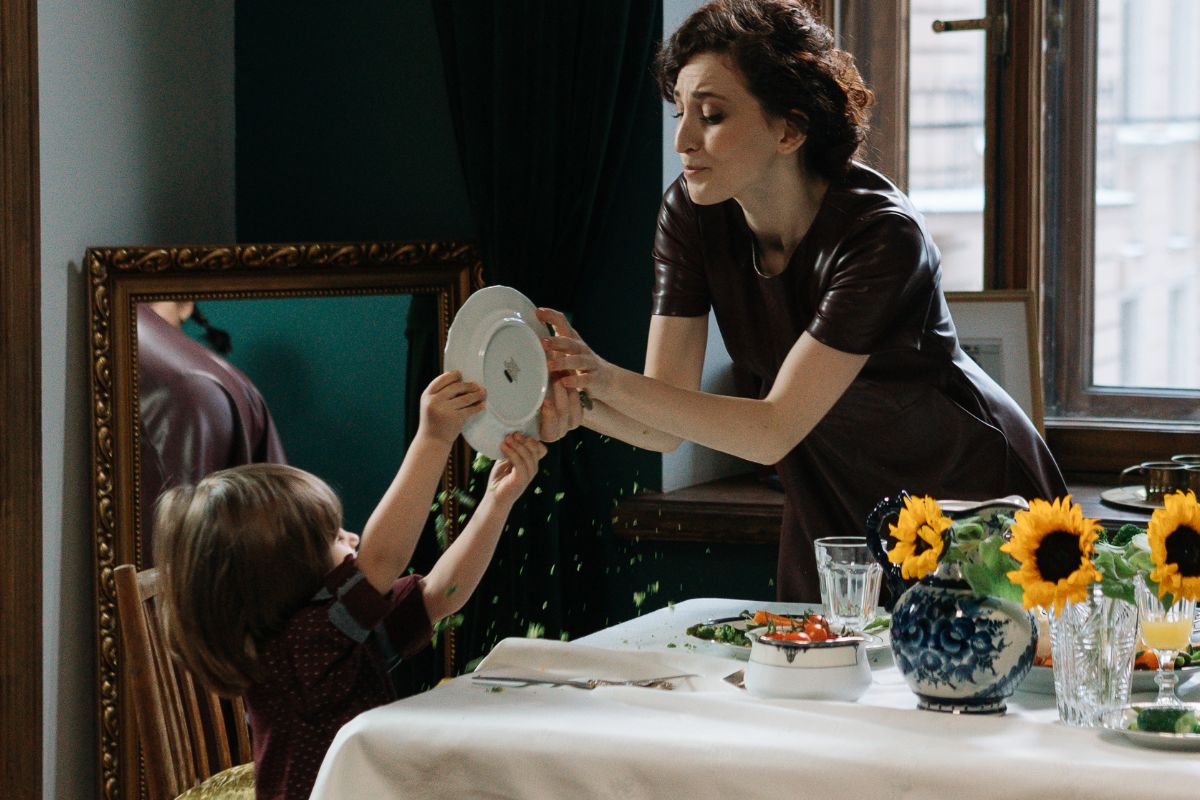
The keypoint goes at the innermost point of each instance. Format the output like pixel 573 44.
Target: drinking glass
pixel 1093 643
pixel 1166 629
pixel 850 579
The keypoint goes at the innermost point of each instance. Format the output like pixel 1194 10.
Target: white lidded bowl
pixel 837 669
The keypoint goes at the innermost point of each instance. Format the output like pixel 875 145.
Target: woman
pixel 826 288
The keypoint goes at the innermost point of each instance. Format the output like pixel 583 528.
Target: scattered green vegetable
pixel 723 632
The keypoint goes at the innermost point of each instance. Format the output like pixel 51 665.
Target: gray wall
pixel 137 146
pixel 690 463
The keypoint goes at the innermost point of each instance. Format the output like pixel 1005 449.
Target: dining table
pixel 487 734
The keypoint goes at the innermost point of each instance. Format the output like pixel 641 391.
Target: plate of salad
pixel 1040 679
pixel 1162 727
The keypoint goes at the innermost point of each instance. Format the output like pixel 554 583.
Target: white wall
pixel 690 463
pixel 137 147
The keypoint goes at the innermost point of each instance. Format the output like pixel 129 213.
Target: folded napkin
pixel 551 660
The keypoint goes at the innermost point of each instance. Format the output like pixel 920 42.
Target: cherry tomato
pixel 817 628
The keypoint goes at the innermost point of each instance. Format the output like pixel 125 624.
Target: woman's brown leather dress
pixel 198 414
pixel 866 279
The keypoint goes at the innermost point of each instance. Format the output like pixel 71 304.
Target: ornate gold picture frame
pixel 119 278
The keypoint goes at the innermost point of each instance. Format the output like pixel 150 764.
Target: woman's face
pixel 725 140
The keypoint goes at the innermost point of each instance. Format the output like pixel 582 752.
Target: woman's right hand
pixel 447 403
pixel 581 367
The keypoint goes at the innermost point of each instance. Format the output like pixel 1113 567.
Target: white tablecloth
pixel 709 739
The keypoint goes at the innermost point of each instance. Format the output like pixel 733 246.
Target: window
pixel 1147 139
pixel 1182 305
pixel 947 102
pixel 1128 321
pixel 1123 162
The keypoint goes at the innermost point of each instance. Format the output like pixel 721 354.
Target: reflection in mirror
pixel 322 380
pixel 324 340
pixel 197 413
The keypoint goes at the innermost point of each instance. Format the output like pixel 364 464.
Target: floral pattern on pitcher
pixel 955 646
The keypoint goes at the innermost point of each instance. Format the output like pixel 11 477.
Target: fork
pixel 590 683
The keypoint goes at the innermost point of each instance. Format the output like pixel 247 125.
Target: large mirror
pixel 329 338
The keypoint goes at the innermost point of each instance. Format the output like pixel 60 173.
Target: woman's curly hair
pixel 787 58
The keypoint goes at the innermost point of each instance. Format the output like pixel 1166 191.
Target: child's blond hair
pixel 241 552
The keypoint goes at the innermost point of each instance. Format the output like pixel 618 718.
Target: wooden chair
pixel 178 718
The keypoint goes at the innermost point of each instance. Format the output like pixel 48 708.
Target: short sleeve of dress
pixel 881 288
pixel 680 287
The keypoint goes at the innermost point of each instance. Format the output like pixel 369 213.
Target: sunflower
pixel 919 537
pixel 1174 535
pixel 1053 542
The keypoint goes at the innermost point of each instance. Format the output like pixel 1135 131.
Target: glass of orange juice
pixel 1166 629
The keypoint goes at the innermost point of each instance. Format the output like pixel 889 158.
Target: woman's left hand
pixel 562 410
pixel 568 353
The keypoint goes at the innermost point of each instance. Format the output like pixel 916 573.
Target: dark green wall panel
pixel 333 371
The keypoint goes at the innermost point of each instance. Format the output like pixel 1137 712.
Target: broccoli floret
pixel 1166 720
pixel 1124 535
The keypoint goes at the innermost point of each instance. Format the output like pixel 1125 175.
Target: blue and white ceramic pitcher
pixel 958 651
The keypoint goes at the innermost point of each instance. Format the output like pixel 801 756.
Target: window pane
pixel 1147 264
pixel 946 136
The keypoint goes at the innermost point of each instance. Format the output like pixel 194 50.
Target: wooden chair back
pixel 183 727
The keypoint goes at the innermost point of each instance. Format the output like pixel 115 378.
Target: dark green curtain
pixel 543 96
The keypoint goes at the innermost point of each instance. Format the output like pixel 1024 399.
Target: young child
pixel 265 596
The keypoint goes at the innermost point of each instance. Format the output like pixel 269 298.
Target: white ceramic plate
pixel 1040 680
pixel 495 341
pixel 1121 719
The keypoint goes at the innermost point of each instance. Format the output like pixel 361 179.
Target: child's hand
pixel 447 403
pixel 516 470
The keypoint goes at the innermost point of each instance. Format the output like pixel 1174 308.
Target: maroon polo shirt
pixel 328 665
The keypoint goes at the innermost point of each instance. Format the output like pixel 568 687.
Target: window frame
pixel 21 658
pixel 877 34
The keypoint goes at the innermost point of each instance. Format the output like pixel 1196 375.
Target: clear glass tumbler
pixel 1093 644
pixel 850 579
